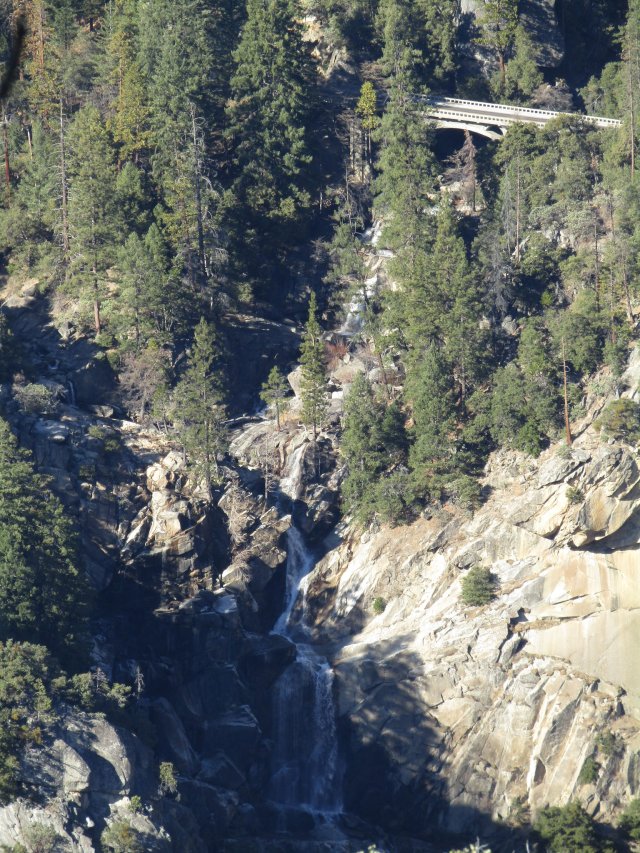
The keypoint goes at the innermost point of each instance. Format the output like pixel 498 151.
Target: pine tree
pixel 458 296
pixel 406 171
pixel 522 75
pixel 499 23
pixel 29 224
pixel 177 61
pixel 274 393
pixel 430 392
pixel 151 303
pixel 200 409
pixel 130 121
pixel 42 592
pixel 366 110
pixel 420 32
pixel 631 78
pixel 397 25
pixel 271 92
pixel 180 61
pixel 362 447
pixel 93 214
pixel 314 381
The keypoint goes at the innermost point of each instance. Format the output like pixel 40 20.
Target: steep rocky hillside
pixel 455 716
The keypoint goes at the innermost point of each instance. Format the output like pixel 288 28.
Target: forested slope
pixel 197 195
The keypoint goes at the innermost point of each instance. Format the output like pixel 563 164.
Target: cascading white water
pixel 304 762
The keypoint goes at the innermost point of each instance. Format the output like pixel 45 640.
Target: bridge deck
pixel 499 115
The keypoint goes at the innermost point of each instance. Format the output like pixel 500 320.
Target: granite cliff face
pixel 450 718
pixel 462 716
pixel 154 553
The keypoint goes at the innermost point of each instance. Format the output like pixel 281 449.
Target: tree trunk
pixel 7 171
pixel 627 296
pixel 198 190
pixel 63 179
pixel 96 284
pixel 96 307
pixel 567 425
pixel 632 126
pixel 597 261
pixel 517 249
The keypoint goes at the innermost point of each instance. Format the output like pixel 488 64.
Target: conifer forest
pixel 319 426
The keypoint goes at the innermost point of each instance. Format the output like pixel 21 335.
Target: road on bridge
pixel 452 111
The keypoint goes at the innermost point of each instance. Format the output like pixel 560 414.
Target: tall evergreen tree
pixel 314 380
pixel 406 172
pixel 274 393
pixel 499 23
pixel 271 93
pixel 30 222
pixel 430 391
pixel 93 215
pixel 200 409
pixel 42 591
pixel 457 293
pixel 130 122
pixel 363 448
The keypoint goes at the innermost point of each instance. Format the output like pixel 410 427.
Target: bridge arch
pixel 488 131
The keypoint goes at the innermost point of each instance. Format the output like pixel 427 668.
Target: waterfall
pixel 305 769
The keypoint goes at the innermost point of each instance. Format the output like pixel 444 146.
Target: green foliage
pixel 499 27
pixel 96 431
pixel 406 177
pixel 522 75
pixel 420 33
pixel 313 387
pixel 30 680
pixel 620 420
pixel 8 352
pixel 429 388
pixel 34 398
pixel 93 692
pixel 135 804
pixel 609 743
pixel 379 605
pixel 29 225
pixel 274 393
pixel 271 94
pixel 121 837
pixel 478 586
pixel 42 591
pixel 465 491
pixel 588 772
pixel 629 821
pixel 574 495
pixel 567 829
pixel 167 776
pixel 374 447
pixel 40 838
pixel 93 213
pixel 32 686
pixel 200 406
pixel 525 406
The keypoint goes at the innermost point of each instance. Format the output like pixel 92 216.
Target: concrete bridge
pixel 493 120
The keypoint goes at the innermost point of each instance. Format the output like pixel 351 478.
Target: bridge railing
pixel 505 111
pixel 479 118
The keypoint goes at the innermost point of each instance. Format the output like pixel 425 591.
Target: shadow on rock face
pixel 392 749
